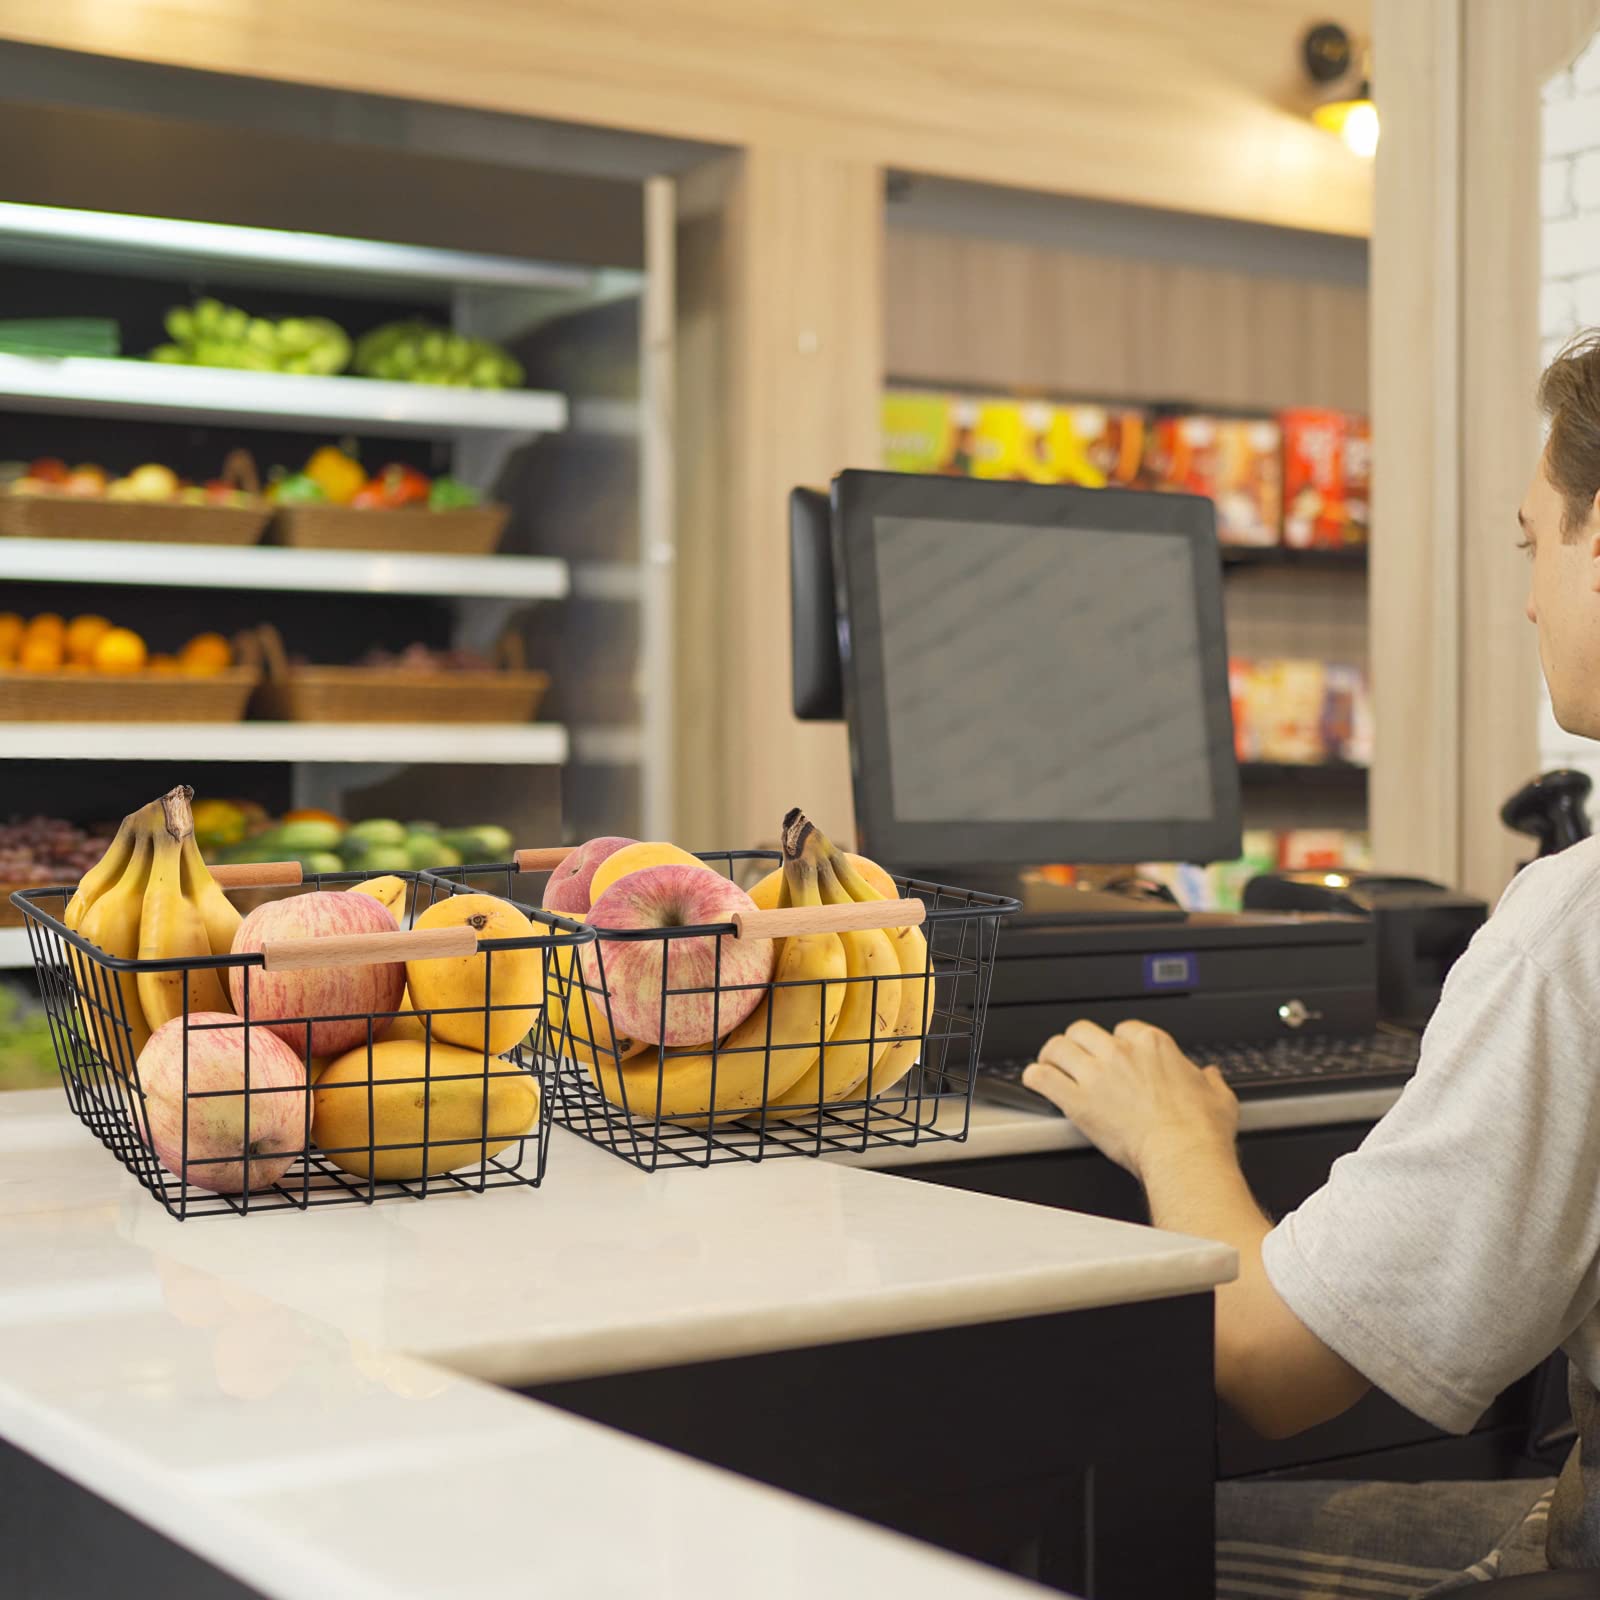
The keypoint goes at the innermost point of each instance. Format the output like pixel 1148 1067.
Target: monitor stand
pixel 1044 902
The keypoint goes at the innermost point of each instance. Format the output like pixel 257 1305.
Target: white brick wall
pixel 1569 298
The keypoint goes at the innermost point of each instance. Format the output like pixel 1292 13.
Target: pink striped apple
pixel 317 992
pixel 638 971
pixel 215 1098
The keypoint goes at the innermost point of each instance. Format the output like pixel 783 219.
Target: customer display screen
pixel 1041 674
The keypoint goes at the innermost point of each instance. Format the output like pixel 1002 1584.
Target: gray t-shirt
pixel 1460 1244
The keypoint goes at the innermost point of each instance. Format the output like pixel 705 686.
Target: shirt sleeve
pixel 1457 1247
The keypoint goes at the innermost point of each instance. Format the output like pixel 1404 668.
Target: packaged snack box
pixel 1099 446
pixel 1284 705
pixel 1327 479
pixel 1346 715
pixel 1246 746
pixel 919 432
pixel 1235 462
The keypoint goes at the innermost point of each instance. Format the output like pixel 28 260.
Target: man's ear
pixel 1592 532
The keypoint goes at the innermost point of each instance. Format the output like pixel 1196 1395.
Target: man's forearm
pixel 1195 1186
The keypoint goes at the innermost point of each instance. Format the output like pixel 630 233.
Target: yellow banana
pixel 109 998
pixel 171 926
pixel 917 986
pixel 109 867
pixel 871 1002
pixel 769 1051
pixel 217 911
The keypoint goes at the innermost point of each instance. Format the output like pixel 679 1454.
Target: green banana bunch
pixel 420 352
pixel 210 334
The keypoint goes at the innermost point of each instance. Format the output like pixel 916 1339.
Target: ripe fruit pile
pixel 237 831
pixel 332 476
pixel 821 1019
pixel 210 334
pixel 152 483
pixel 387 1103
pixel 47 850
pixel 421 352
pixel 49 643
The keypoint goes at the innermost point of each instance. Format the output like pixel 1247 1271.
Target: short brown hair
pixel 1569 395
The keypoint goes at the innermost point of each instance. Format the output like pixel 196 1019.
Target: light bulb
pixel 1360 130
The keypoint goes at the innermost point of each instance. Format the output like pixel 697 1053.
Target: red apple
pixel 275 1095
pixel 327 992
pixel 638 971
pixel 567 891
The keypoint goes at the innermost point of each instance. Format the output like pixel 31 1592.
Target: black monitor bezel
pixel 859 497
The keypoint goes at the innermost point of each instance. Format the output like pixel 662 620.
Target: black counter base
pixel 1047 1446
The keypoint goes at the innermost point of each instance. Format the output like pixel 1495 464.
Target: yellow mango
pixel 635 858
pixel 407 1081
pixel 454 981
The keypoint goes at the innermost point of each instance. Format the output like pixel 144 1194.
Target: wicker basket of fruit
pixel 418 685
pixel 361 1040
pixel 150 505
pixel 89 671
pixel 333 505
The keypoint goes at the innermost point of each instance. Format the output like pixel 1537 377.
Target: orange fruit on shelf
pixel 119 650
pixel 40 653
pixel 205 654
pixel 47 622
pixel 83 634
pixel 167 666
pixel 12 628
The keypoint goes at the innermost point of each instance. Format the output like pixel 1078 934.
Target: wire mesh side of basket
pixel 85 1000
pixel 932 1101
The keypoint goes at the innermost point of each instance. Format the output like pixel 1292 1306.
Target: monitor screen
pixel 1083 701
pixel 1034 673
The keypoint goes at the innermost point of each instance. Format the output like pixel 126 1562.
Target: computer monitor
pixel 1033 672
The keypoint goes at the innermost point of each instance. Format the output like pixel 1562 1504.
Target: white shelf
pixel 392 744
pixel 90 386
pixel 14 951
pixel 115 242
pixel 178 566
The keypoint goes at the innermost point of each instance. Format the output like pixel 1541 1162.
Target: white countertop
pixel 216 1377
pixel 997 1130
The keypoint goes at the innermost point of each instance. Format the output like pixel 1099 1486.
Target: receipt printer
pixel 1421 928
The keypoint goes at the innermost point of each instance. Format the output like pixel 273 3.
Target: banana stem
pixel 177 816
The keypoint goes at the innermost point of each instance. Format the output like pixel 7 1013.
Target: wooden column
pixel 1455 356
pixel 781 370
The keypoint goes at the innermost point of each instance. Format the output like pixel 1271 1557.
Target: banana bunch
pixel 150 897
pixel 210 334
pixel 844 1018
pixel 420 352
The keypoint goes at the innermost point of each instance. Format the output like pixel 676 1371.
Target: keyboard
pixel 1253 1070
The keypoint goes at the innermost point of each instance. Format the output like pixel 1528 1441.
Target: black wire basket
pixel 377 1123
pixel 790 1078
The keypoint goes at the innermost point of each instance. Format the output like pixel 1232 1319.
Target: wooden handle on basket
pixel 510 652
pixel 259 875
pixel 362 949
pixel 270 642
pixel 541 860
pixel 239 469
pixel 829 919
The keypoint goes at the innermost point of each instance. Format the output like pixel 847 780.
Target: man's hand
pixel 1134 1092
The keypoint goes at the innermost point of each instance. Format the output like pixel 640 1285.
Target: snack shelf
pixel 1343 776
pixel 273 568
pixel 393 744
pixel 92 386
pixel 1238 555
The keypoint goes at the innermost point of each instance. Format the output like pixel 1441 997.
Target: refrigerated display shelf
pixel 270 567
pixel 394 744
pixel 169 246
pixel 91 386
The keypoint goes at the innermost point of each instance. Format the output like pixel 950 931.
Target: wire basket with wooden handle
pixel 55 516
pixel 291 692
pixel 230 1113
pixel 808 1060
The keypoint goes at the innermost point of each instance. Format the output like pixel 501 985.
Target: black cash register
pixel 1039 673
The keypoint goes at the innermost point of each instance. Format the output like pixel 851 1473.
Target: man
pixel 1460 1244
